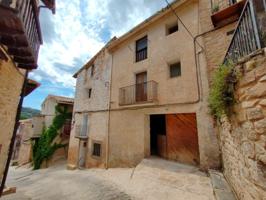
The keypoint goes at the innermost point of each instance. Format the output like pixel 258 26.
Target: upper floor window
pixel 175 70
pixel 92 70
pixel 172 29
pixel 141 49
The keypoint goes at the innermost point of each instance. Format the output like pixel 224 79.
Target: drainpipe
pixel 11 146
pixel 109 116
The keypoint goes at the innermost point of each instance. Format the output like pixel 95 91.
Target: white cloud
pixel 75 33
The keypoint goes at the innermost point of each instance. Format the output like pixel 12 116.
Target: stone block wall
pixel 11 80
pixel 243 136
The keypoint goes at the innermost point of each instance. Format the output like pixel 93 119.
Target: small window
pixel 96 149
pixel 89 93
pixel 175 70
pixel 92 70
pixel 172 29
pixel 142 49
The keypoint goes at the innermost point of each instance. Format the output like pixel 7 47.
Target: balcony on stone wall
pixel 226 11
pixel 250 33
pixel 20 31
pixel 140 93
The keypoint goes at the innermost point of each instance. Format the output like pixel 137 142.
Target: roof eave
pixel 158 15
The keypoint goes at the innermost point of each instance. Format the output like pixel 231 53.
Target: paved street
pixel 153 179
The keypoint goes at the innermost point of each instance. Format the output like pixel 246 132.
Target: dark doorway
pixel 175 137
pixel 158 135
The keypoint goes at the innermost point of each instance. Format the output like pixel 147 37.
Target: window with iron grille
pixel 142 49
pixel 175 70
pixel 96 149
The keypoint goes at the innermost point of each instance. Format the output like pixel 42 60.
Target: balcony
pixel 20 31
pixel 226 11
pixel 250 34
pixel 146 92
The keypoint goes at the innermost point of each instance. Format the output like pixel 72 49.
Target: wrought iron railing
pixel 138 93
pixel 27 11
pixel 248 36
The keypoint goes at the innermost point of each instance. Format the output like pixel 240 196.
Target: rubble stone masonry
pixel 243 136
pixel 11 80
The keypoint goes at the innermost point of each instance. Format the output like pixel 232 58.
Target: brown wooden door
pixel 182 138
pixel 141 87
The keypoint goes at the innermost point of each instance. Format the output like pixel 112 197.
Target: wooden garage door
pixel 182 138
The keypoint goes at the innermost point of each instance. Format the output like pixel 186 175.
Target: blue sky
pixel 78 30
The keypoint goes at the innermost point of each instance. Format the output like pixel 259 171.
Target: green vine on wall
pixel 45 147
pixel 221 97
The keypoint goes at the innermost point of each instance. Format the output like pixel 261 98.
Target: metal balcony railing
pixel 249 35
pixel 138 93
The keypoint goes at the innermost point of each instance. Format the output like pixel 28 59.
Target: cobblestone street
pixel 152 179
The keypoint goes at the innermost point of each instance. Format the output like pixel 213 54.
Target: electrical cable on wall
pixel 179 19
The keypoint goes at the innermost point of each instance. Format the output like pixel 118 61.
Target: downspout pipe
pixel 109 115
pixel 13 138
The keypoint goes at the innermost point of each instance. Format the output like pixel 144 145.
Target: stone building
pixel 48 113
pixel 90 115
pixel 149 95
pixel 20 39
pixel 28 130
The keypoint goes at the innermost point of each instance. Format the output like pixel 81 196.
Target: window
pixel 89 93
pixel 96 149
pixel 175 70
pixel 92 70
pixel 172 29
pixel 84 126
pixel 141 49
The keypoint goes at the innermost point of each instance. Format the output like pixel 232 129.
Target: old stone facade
pixel 28 131
pixel 129 135
pixel 90 116
pixel 243 136
pixel 11 79
pixel 48 112
pixel 123 131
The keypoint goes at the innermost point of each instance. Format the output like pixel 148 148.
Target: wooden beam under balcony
pixel 20 51
pixel 13 40
pixel 24 59
pixel 228 15
pixel 28 66
pixel 20 32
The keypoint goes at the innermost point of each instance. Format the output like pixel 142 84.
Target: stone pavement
pixel 151 180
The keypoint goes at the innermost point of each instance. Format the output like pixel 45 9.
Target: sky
pixel 77 31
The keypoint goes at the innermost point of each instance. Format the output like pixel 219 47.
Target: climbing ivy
pixel 221 97
pixel 45 147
